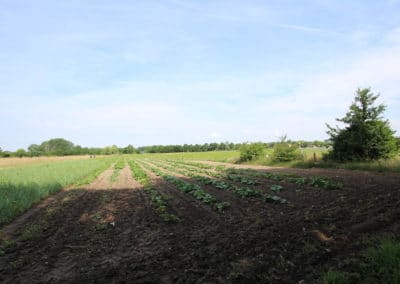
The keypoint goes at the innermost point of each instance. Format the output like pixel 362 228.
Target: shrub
pixel 285 152
pixel 252 151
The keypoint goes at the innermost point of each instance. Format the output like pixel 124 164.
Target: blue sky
pixel 173 71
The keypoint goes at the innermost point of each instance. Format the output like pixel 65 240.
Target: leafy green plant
pixel 246 192
pixel 322 182
pixel 276 187
pixel 221 206
pixel 275 198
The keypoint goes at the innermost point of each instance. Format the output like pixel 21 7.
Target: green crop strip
pixel 316 181
pixel 23 186
pixel 218 183
pixel 119 165
pixel 192 189
pixel 158 200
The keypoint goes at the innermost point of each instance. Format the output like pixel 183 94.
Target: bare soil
pixel 110 232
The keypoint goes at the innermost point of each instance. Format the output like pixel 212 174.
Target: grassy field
pixel 16 162
pixel 22 186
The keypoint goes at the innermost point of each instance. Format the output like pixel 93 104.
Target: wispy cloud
pixel 309 29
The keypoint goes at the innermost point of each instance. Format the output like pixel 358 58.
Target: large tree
pixel 367 136
pixel 57 146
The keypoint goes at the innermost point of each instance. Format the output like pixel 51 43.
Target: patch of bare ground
pixel 113 235
pixel 125 180
pixel 102 181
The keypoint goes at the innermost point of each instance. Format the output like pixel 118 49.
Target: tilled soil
pixel 110 232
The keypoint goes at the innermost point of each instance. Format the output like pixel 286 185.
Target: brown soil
pixel 110 232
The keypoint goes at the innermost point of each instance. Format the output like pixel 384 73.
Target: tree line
pixel 63 147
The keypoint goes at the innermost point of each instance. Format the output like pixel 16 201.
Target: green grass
pixel 21 187
pixel 388 165
pixel 380 264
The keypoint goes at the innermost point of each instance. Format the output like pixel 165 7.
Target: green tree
pixel 34 150
pixel 57 146
pixel 20 153
pixel 367 135
pixel 129 149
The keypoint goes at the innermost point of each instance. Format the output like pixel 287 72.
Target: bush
pixel 250 152
pixel 285 152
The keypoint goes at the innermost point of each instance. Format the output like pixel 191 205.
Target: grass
pixel 17 162
pixel 380 264
pixel 388 165
pixel 21 187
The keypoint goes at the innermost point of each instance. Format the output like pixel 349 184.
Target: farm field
pixel 173 218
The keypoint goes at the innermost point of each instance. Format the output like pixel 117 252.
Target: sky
pixel 151 72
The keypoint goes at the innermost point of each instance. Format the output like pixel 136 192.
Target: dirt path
pixel 109 232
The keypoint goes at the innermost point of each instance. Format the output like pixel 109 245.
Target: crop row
pixel 158 200
pixel 217 174
pixel 190 188
pixel 118 166
pixel 315 181
pixel 221 184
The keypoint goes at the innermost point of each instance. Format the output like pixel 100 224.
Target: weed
pixel 33 231
pixel 382 263
pixel 335 277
